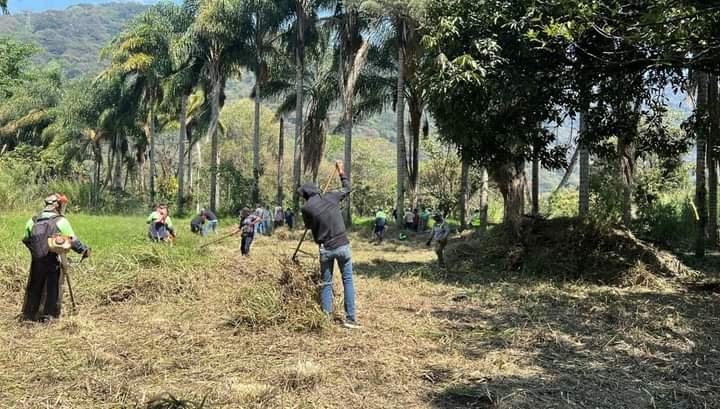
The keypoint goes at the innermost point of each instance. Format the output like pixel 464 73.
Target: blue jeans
pixel 245 244
pixel 327 265
pixel 210 225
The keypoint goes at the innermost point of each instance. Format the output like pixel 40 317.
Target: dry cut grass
pixel 162 328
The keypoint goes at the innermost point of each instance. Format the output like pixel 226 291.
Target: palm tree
pixel 264 20
pixel 142 55
pixel 352 48
pixel 3 6
pixel 216 38
pixel 320 83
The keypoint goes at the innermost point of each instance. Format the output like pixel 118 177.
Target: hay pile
pixel 291 301
pixel 571 249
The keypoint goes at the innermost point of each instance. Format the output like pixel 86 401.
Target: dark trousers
pixel 45 279
pixel 246 243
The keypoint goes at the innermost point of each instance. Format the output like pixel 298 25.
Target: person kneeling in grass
pixel 196 224
pixel 322 215
pixel 248 221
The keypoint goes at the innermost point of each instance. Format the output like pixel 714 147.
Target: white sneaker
pixel 351 324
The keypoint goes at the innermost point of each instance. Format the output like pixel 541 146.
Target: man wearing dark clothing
pixel 322 215
pixel 248 221
pixel 196 224
pixel 289 218
pixel 45 270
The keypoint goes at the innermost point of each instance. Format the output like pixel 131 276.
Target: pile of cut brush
pixel 292 300
pixel 572 249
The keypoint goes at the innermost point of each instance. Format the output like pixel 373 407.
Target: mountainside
pixel 37 6
pixel 73 37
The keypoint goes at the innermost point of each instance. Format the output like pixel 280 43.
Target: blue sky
pixel 17 6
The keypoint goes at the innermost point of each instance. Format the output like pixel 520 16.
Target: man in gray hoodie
pixel 322 215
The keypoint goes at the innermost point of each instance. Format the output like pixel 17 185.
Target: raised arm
pixel 340 195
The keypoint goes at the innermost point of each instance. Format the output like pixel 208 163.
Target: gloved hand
pixel 427 244
pixel 87 253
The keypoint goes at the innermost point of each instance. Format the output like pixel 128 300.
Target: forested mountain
pixel 73 37
pixel 36 6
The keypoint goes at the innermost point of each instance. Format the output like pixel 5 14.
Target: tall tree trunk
pixel 714 135
pixel 110 164
pixel 464 191
pixel 400 139
pixel 300 99
pixel 117 173
pixel 535 182
pixel 348 119
pixel 256 143
pixel 281 163
pixel 140 157
pixel 213 136
pixel 181 155
pixel 153 158
pixel 510 179
pixel 416 108
pixel 568 171
pixel 584 202
pixel 483 199
pixel 190 179
pixel 701 143
pixel 626 153
pixel 349 73
pixel 97 153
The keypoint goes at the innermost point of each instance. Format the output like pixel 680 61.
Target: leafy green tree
pixel 216 37
pixel 264 19
pixel 352 47
pixel 141 55
pixel 489 86
pixel 14 60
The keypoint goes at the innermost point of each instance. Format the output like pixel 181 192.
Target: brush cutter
pixel 302 239
pixel 61 245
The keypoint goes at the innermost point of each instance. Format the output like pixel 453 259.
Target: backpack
pixel 43 229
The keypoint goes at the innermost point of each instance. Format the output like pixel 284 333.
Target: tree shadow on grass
pixel 596 347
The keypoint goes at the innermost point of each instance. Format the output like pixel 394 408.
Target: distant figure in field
pixel 161 225
pixel 439 234
pixel 409 219
pixel 45 269
pixel 260 229
pixel 248 222
pixel 416 220
pixel 279 217
pixel 197 224
pixel 380 223
pixel 267 220
pixel 322 215
pixel 424 219
pixel 289 218
pixel 212 221
pixel 395 216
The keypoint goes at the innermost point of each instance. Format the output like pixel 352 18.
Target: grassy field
pixel 155 319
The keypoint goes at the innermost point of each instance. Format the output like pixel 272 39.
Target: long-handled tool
pixel 324 190
pixel 222 238
pixel 61 246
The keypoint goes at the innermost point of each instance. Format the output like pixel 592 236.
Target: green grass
pixel 124 263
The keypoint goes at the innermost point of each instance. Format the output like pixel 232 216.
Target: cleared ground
pixel 155 319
